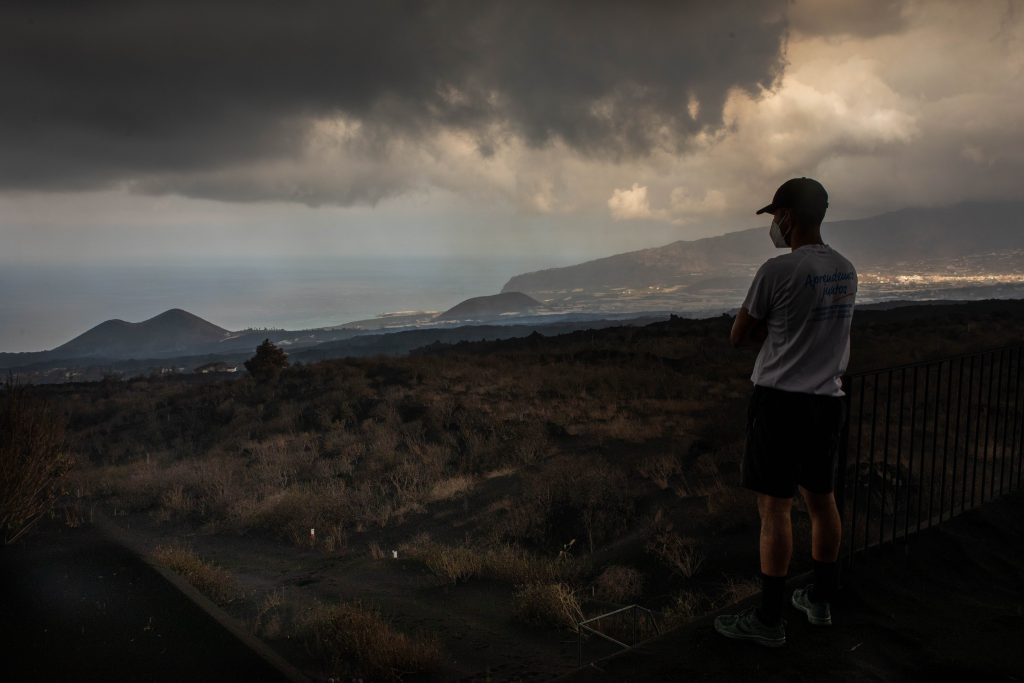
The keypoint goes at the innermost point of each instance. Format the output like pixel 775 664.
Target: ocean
pixel 42 307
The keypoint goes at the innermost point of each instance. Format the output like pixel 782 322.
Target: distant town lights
pixel 942 279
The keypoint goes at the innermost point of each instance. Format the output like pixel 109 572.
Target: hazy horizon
pixel 46 306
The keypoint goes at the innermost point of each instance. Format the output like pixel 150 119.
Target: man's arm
pixel 747 329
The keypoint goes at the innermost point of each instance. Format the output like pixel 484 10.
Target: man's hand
pixel 747 329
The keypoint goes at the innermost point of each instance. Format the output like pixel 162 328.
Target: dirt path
pixel 474 620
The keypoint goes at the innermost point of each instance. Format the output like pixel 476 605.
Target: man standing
pixel 799 308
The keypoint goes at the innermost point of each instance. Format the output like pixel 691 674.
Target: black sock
pixel 824 581
pixel 770 612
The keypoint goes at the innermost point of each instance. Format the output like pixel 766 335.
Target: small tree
pixel 32 460
pixel 268 361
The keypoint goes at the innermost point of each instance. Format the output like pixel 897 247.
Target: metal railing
pixel 624 628
pixel 927 441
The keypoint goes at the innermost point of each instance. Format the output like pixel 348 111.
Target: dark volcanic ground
pixel 948 608
pixel 76 607
pixel 951 607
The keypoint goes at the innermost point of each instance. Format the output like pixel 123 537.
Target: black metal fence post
pixel 885 458
pixel 1018 452
pixel 967 437
pixel 910 457
pixel 924 441
pixel 898 483
pixel 844 448
pixel 977 433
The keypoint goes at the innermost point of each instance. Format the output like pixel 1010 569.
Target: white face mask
pixel 779 239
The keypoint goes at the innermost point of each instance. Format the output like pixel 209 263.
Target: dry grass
pixel 552 604
pixel 659 469
pixel 210 580
pixel 134 486
pixel 500 472
pixel 618 584
pixel 704 476
pixel 175 502
pixel 450 487
pixel 517 565
pixel 685 607
pixel 734 590
pixel 507 563
pixel 681 555
pixel 623 427
pixel 75 513
pixel 453 562
pixel 354 640
pixel 332 539
pixel 268 620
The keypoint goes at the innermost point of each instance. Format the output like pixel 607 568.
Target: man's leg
pixel 764 625
pixel 826 536
pixel 826 529
pixel 776 551
pixel 776 534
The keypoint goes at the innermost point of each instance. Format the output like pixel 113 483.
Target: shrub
pixel 453 562
pixel 32 461
pixel 267 622
pixel 517 565
pixel 681 555
pixel 574 498
pixel 553 604
pixel 175 501
pixel 618 584
pixel 659 469
pixel 349 633
pixel 212 581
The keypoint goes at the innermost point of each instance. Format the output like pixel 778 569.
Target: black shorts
pixel 792 439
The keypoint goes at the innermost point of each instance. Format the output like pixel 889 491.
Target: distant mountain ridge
pixel 173 331
pixel 875 242
pixel 176 333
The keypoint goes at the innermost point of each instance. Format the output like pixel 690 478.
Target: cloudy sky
pixel 157 131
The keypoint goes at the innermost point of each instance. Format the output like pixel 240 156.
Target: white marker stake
pixel 312 536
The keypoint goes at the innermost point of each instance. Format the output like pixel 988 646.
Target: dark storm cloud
pixel 96 93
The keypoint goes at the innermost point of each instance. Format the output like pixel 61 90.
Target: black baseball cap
pixel 803 194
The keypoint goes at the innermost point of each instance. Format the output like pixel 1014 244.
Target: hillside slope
pixel 493 306
pixel 173 331
pixel 906 236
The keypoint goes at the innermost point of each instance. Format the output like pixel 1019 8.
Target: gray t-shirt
pixel 806 297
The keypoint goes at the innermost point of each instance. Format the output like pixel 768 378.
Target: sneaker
pixel 747 626
pixel 818 613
